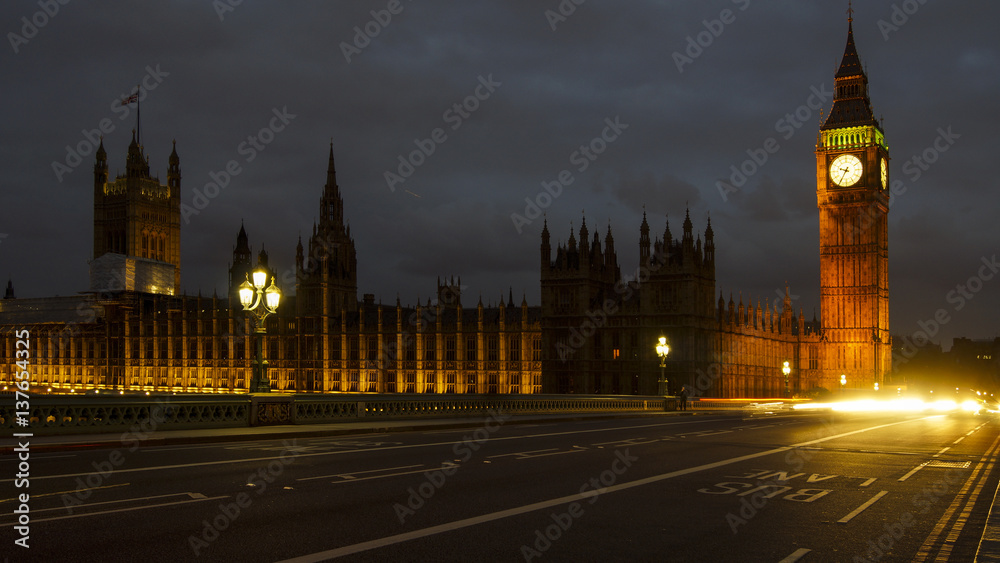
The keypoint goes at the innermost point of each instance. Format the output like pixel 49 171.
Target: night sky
pixel 547 83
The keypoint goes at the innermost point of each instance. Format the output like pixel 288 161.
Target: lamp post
pixel 843 383
pixel 786 369
pixel 662 349
pixel 266 303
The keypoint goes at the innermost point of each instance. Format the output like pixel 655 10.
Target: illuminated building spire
pixel 851 104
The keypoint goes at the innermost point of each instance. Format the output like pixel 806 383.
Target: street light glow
pixel 272 296
pixel 259 278
pixel 662 349
pixel 246 294
pixel 266 303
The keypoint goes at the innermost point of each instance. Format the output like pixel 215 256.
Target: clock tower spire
pixel 852 177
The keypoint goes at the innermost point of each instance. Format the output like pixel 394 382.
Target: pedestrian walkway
pixel 989 544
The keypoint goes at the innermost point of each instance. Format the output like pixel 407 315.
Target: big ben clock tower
pixel 852 179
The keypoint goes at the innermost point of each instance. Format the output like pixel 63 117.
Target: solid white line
pixel 422 470
pixel 522 453
pixel 89 504
pixel 862 508
pixel 795 556
pixel 912 471
pixel 383 469
pixel 345 475
pixel 633 441
pixel 355 480
pixel 37 457
pixel 705 433
pixel 458 524
pixel 67 492
pixel 35 521
pixel 551 453
pixel 341 452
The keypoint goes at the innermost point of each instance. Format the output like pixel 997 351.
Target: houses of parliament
pixel 595 330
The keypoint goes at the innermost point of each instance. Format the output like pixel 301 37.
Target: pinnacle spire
pixel 850 65
pixel 851 105
pixel 331 204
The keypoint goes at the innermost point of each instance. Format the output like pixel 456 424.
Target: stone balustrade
pixel 61 414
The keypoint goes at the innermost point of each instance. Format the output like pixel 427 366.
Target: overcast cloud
pixel 220 75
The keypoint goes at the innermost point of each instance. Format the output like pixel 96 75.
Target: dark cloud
pixel 638 193
pixel 687 130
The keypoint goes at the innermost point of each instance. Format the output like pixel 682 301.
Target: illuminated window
pixel 615 353
pixel 470 349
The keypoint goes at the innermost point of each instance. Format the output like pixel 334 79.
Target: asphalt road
pixel 658 488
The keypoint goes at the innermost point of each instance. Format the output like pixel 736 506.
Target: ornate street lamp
pixel 662 349
pixel 266 303
pixel 786 369
pixel 843 382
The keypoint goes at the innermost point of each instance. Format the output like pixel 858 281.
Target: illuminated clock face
pixel 845 170
pixel 885 174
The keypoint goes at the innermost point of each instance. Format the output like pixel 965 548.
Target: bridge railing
pixel 52 415
pixel 67 415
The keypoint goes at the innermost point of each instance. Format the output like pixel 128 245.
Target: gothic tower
pixel 241 266
pixel 136 217
pixel 327 277
pixel 852 177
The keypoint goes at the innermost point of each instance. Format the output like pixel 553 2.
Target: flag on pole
pixel 134 98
